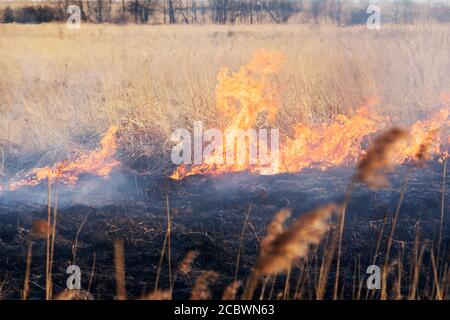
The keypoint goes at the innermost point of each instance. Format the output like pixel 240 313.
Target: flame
pixel 326 145
pixel 97 162
pixel 242 96
pixel 428 134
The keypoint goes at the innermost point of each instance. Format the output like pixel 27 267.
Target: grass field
pixel 60 91
pixel 59 88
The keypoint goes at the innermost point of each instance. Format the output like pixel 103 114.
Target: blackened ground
pixel 208 215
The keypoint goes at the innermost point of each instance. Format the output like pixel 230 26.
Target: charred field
pixel 208 215
pixel 96 170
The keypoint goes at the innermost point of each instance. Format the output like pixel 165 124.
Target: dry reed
pixel 119 261
pixel 379 157
pixel 201 291
pixel 231 290
pixel 158 295
pixel 280 250
pixel 74 295
pixel 185 266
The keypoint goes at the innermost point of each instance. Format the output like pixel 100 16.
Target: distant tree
pixel 407 11
pixel 441 14
pixel 171 12
pixel 26 15
pixel 45 14
pixel 316 9
pixel 142 10
pixel 194 12
pixel 102 10
pixel 358 16
pixel 79 3
pixel 281 10
pixel 8 15
pixel 338 12
pixel 219 10
pixel 183 11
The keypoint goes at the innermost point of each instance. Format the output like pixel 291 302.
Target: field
pixel 60 91
pixel 61 87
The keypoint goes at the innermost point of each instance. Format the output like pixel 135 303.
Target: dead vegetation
pixel 48 113
pixel 319 255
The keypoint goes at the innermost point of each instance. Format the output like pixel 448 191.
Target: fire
pixel 243 96
pixel 429 134
pixel 326 145
pixel 97 162
pixel 240 98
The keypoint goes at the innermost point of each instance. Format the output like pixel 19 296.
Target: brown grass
pixel 279 253
pixel 185 266
pixel 201 291
pixel 119 259
pixel 149 88
pixel 379 158
pixel 132 76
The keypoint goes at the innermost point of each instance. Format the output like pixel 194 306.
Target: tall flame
pixel 97 162
pixel 432 132
pixel 240 98
pixel 243 96
pixel 326 145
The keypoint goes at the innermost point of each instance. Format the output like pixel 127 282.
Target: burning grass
pixel 206 228
pixel 98 163
pixel 325 126
pixel 47 112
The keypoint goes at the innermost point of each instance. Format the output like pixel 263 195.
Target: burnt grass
pixel 208 215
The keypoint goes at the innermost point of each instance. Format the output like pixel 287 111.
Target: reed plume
pixel 158 295
pixel 281 248
pixel 201 288
pixel 40 229
pixel 119 261
pixel 425 150
pixel 379 157
pixel 74 295
pixel 185 266
pixel 230 291
pixel 275 228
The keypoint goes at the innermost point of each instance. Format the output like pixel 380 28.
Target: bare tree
pixel 142 10
pixel 171 12
pixel 316 10
pixel 281 10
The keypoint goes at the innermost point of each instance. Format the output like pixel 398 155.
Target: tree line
pixel 340 12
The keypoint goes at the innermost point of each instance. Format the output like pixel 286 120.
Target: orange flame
pixel 98 162
pixel 241 97
pixel 326 145
pixel 430 131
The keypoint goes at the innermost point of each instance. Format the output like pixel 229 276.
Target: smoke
pixel 90 191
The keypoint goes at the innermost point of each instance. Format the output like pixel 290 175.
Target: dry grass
pixel 119 262
pixel 61 88
pixel 201 291
pixel 279 253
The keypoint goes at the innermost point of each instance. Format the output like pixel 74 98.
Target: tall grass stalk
pixel 47 257
pixel 119 262
pixel 384 272
pixel 241 240
pixel 26 285
pixel 441 222
pixel 347 197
